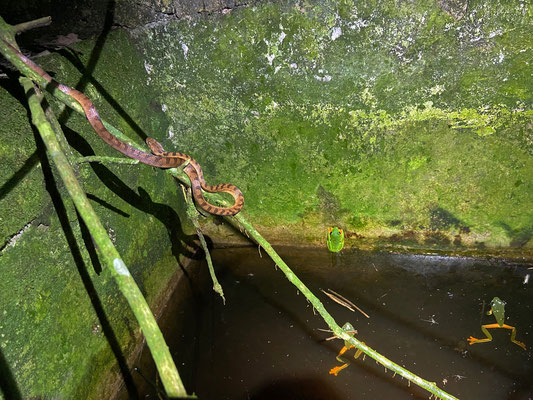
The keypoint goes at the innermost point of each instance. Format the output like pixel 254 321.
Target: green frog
pixel 498 310
pixel 349 329
pixel 335 239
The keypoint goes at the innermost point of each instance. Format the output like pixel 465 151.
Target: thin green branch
pixel 43 84
pixel 240 221
pixel 109 255
pixel 59 134
pixel 337 330
pixel 7 33
pixel 106 160
pixel 36 23
pixel 107 252
pixel 192 213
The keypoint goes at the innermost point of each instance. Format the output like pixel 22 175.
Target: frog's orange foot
pixel 521 344
pixel 471 340
pixel 336 370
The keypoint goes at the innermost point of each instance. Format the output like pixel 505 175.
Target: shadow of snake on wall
pixel 160 158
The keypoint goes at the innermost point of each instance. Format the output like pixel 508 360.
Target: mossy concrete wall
pixel 65 329
pixel 405 123
pixel 401 122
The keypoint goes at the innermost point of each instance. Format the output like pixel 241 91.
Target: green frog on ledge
pixel 335 239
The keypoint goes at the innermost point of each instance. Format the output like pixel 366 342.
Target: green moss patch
pixel 366 118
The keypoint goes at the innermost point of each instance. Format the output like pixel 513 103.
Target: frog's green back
pixel 498 309
pixel 335 240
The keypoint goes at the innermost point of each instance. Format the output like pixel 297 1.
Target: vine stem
pixel 239 221
pixel 107 251
pixel 36 23
pixel 192 213
pixel 105 160
pixel 335 328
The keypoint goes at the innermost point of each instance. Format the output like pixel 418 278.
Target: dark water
pixel 265 343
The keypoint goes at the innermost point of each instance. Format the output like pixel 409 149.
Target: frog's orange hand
pixel 471 340
pixel 336 370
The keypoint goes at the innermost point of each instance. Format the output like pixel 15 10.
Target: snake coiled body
pixel 159 158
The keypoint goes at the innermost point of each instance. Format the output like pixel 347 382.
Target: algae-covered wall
pixel 405 123
pixel 409 121
pixel 65 329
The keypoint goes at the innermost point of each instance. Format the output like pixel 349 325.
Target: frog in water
pixel 348 328
pixel 498 310
pixel 335 239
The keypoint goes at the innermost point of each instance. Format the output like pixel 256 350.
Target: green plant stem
pixel 335 328
pixel 59 134
pixel 106 160
pixel 192 213
pixel 240 221
pixel 107 252
pixel 36 23
pixel 7 33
